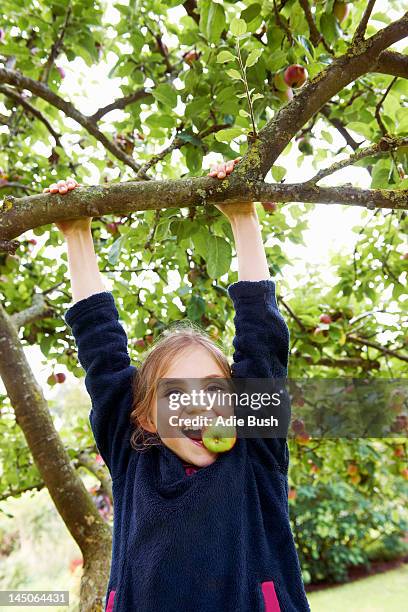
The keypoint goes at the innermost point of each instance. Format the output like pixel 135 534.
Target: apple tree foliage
pixel 208 77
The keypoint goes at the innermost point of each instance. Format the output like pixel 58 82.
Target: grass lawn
pixel 386 592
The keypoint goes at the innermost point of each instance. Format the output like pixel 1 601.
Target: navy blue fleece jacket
pixel 218 540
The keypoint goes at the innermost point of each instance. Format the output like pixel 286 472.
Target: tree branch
pixel 379 105
pixel 393 63
pixel 316 37
pixel 325 110
pixel 17 215
pixel 362 26
pixel 42 91
pixel 387 143
pixel 278 132
pixel 120 103
pixel 13 95
pixel 375 345
pixel 56 47
pixel 15 185
pixel 191 9
pixel 38 310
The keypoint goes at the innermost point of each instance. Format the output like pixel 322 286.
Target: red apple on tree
pixel 295 75
pixel 352 469
pixel 325 318
pixel 219 438
pixel 60 377
pixel 191 56
pixel 269 207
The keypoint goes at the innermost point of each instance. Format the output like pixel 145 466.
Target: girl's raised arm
pixel 101 342
pixel 261 339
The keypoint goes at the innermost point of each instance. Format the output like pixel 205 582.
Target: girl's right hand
pixel 69 226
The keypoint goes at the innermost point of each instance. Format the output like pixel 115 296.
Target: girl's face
pixel 193 363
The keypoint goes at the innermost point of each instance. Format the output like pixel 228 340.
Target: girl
pixel 194 530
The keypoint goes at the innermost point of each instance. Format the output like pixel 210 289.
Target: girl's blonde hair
pixel 178 337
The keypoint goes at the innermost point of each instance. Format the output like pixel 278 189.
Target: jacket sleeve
pixel 102 352
pixel 261 346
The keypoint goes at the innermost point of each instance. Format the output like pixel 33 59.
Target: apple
pixel 295 75
pixel 352 469
pixel 314 468
pixel 112 227
pixel 298 426
pixel 279 81
pixel 399 451
pixel 341 10
pixel 60 377
pixel 305 146
pixel 139 344
pixel 325 318
pixel 292 494
pixel 219 438
pixel 302 438
pixel 355 479
pixel 32 241
pixel 191 56
pixel 149 339
pixel 269 207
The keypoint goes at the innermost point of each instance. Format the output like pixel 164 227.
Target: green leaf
pixel 196 308
pixel 243 113
pixel 166 94
pixel 257 96
pixel 251 12
pixel 115 250
pixel 329 27
pixel 219 256
pixel 327 136
pixel 253 57
pixel 238 27
pixel 234 74
pixel 225 56
pixel 278 172
pixel 228 134
pixel 212 20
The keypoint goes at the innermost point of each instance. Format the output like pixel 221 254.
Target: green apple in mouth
pixel 219 438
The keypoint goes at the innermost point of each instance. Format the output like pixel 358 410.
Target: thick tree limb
pixel 20 214
pixel 42 91
pixel 393 63
pixel 278 132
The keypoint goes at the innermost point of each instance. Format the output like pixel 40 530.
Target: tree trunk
pixel 67 490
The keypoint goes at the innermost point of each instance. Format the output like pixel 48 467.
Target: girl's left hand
pixel 234 210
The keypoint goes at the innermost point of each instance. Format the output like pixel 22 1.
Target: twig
pixel 362 26
pixel 56 47
pixel 379 105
